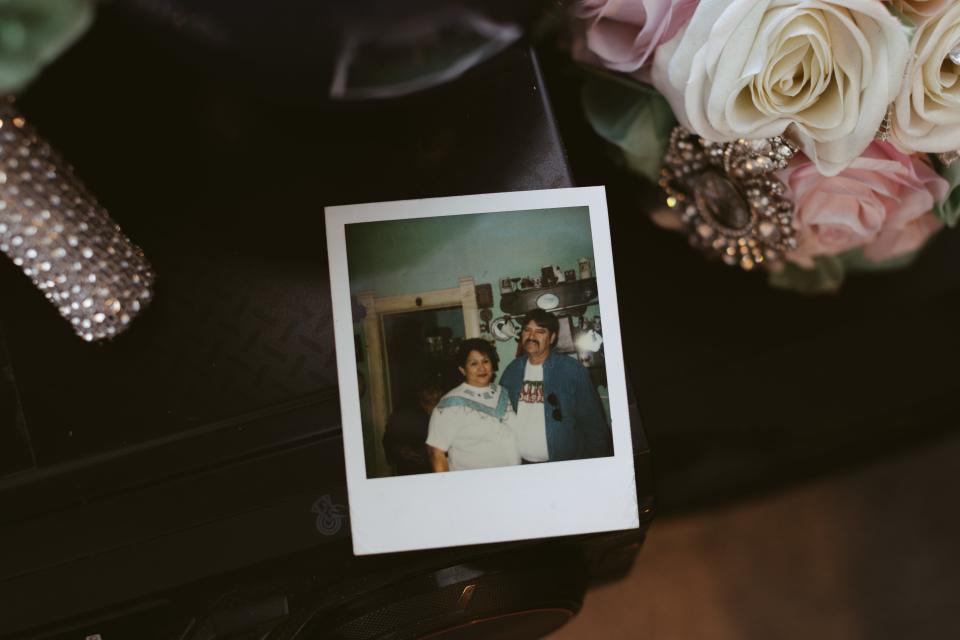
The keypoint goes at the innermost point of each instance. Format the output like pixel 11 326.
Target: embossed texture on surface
pixel 62 239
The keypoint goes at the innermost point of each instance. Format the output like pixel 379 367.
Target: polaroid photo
pixel 482 385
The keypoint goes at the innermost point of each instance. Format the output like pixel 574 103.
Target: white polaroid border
pixel 486 505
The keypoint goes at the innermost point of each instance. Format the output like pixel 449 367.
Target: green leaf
pixel 33 33
pixel 828 272
pixel 826 276
pixel 948 211
pixel 636 119
pixel 909 26
pixel 856 261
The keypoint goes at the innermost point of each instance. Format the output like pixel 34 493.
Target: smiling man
pixel 559 414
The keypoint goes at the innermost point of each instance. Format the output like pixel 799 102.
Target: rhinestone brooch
pixel 63 240
pixel 949 158
pixel 729 199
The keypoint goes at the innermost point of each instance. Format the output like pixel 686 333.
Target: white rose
pixel 927 111
pixel 821 71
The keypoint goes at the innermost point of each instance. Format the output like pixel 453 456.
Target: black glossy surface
pixel 179 468
pixel 288 48
pixel 15 451
pixel 225 192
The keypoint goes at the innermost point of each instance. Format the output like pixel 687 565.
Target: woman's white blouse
pixel 475 426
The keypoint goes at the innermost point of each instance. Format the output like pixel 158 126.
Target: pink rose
pixel 920 10
pixel 881 203
pixel 623 34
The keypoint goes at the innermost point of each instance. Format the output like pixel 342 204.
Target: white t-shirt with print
pixel 531 424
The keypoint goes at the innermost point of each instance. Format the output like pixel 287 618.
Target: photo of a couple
pixel 480 369
pixel 505 368
pixel 543 409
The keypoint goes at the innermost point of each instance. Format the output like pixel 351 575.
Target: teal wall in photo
pixel 399 257
pixel 403 256
pixel 409 256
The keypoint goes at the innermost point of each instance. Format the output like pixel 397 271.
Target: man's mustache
pixel 532 342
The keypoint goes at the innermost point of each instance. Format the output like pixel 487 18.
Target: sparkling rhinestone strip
pixel 62 239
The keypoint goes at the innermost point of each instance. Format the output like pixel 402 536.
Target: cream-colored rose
pixel 821 71
pixel 927 111
pixel 920 10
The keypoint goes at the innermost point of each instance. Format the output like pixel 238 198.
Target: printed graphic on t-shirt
pixel 532 391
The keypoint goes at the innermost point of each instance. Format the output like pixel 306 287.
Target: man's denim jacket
pixel 583 430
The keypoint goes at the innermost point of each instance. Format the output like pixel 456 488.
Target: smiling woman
pixel 478 368
pixel 473 426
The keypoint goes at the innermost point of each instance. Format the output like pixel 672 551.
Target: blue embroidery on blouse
pixel 486 393
pixel 497 412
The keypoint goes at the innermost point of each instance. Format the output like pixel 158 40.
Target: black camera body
pixel 187 480
pixel 242 530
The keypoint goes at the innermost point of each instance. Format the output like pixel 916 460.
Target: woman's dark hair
pixel 477 344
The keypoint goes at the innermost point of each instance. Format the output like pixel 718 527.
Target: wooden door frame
pixel 464 296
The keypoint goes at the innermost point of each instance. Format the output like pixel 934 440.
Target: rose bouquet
pixel 806 137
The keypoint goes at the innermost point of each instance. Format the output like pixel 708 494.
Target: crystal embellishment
pixel 886 126
pixel 63 240
pixel 949 158
pixel 730 201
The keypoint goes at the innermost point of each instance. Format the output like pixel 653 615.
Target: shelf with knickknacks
pixel 556 290
pixel 51 226
pixel 558 298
